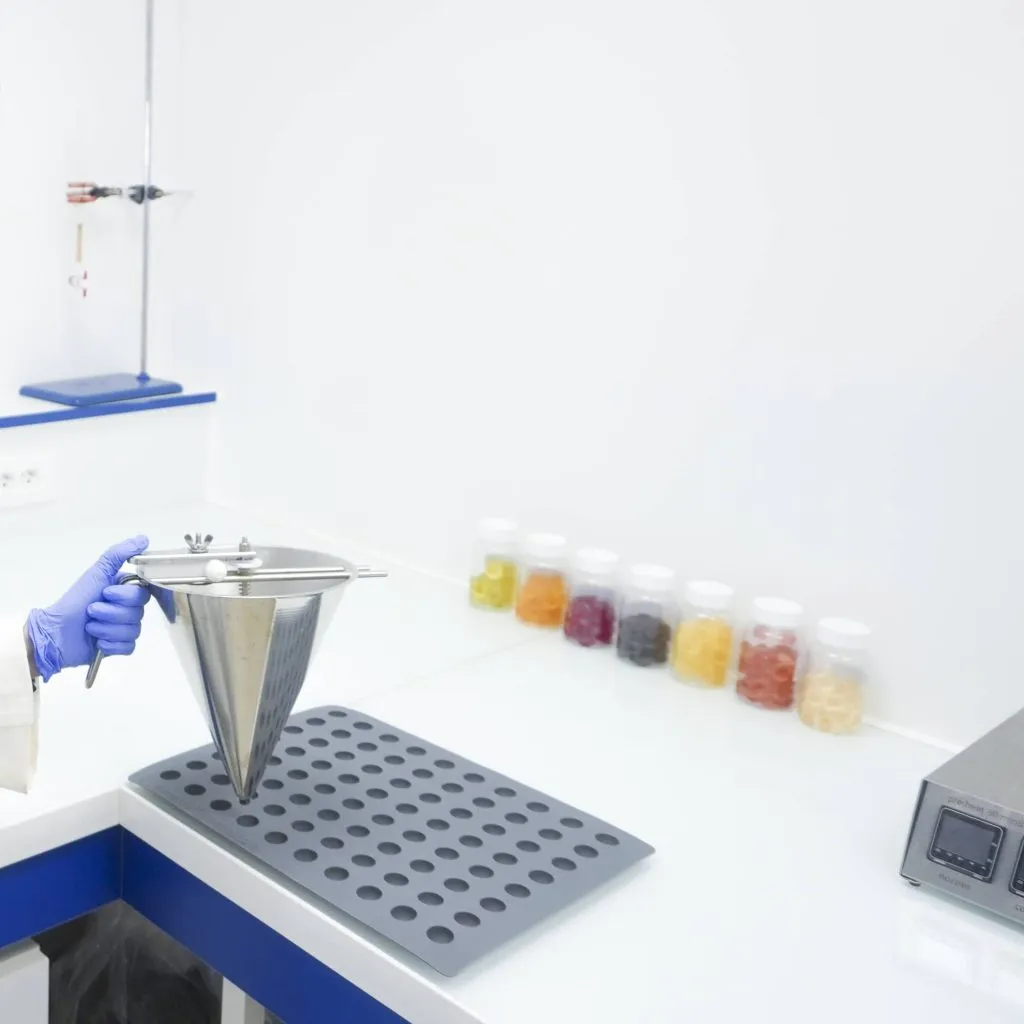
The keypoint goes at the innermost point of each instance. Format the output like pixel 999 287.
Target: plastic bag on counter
pixel 114 967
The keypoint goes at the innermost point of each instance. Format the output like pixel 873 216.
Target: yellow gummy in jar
pixel 829 702
pixel 495 587
pixel 701 650
pixel 542 599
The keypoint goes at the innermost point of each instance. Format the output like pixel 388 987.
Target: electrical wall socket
pixel 27 480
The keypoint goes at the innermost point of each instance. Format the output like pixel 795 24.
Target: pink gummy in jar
pixel 767 668
pixel 590 621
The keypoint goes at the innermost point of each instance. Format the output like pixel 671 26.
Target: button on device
pixel 1017 882
pixel 968 845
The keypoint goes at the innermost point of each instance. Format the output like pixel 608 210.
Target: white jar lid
pixel 845 633
pixel 709 595
pixel 652 577
pixel 545 546
pixel 499 531
pixel 777 611
pixel 596 561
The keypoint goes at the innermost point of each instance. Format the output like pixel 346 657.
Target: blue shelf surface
pixel 57 886
pixel 54 414
pixel 108 387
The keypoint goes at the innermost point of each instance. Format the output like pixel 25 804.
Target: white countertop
pixel 775 882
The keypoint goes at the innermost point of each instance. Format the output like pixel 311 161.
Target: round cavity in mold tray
pixel 442 856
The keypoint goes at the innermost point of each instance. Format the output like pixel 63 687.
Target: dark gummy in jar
pixel 644 639
pixel 590 621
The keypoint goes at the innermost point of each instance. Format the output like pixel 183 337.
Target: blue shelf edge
pixel 59 885
pixel 63 883
pixel 268 967
pixel 84 412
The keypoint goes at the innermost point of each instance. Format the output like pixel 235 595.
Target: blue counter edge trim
pixel 59 885
pixel 43 891
pixel 67 412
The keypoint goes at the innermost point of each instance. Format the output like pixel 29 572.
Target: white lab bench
pixel 775 881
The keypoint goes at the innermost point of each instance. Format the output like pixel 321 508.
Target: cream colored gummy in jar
pixel 830 697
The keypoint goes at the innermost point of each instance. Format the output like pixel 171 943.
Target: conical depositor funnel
pixel 245 623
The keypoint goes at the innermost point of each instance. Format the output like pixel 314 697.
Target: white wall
pixel 105 475
pixel 71 95
pixel 71 88
pixel 735 285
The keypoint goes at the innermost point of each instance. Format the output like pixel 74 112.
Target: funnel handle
pixel 94 665
pixel 94 668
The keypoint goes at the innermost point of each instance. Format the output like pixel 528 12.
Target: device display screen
pixel 966 843
pixel 968 839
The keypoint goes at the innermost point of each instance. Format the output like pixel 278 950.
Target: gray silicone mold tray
pixel 442 856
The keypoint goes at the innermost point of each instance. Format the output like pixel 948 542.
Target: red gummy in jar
pixel 767 671
pixel 590 621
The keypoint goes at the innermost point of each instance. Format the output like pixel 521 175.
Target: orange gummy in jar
pixel 542 599
pixel 543 589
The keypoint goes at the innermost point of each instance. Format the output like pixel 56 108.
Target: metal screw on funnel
pixel 245 622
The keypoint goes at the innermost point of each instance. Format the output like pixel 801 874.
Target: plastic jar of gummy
pixel 831 694
pixel 543 588
pixel 702 645
pixel 648 616
pixel 492 584
pixel 593 599
pixel 769 654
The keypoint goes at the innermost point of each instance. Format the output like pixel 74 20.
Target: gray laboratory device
pixel 967 836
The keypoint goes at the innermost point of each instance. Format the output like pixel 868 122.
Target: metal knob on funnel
pixel 245 622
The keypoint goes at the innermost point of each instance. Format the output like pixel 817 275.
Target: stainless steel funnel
pixel 246 642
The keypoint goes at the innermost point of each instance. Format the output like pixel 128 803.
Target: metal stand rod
pixel 147 172
pixel 197 557
pixel 268 576
pixel 291 575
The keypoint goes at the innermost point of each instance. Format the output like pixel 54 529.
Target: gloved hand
pixel 96 613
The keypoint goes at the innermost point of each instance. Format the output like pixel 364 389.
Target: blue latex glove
pixel 97 613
